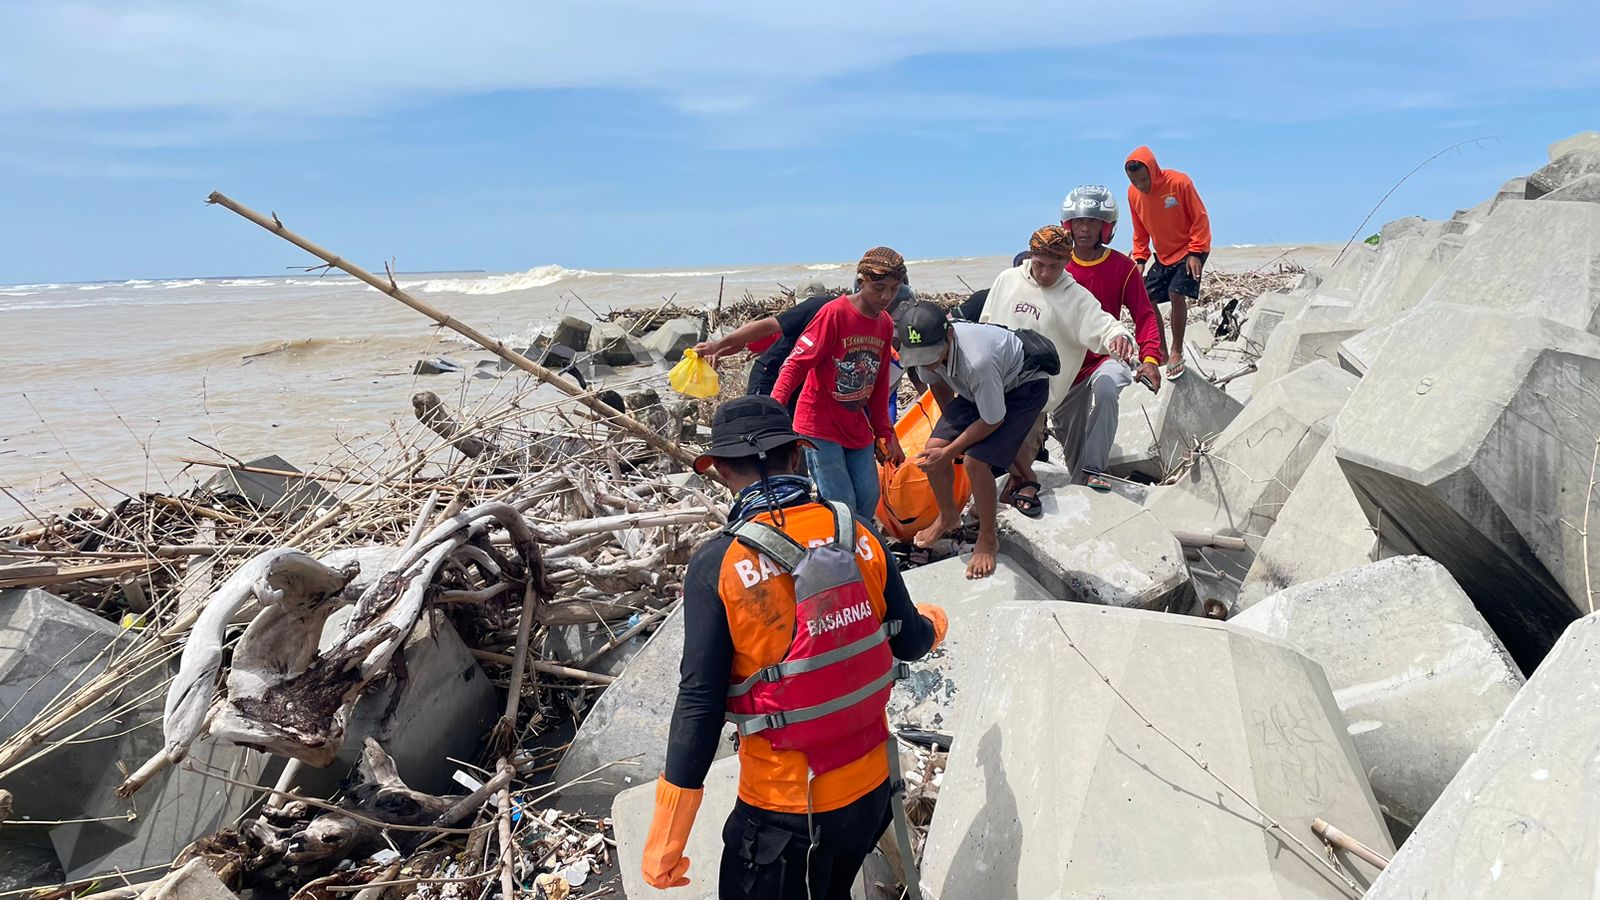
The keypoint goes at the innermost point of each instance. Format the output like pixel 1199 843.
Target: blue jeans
pixel 848 476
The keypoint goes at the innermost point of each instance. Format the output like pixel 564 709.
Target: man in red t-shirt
pixel 1086 421
pixel 840 365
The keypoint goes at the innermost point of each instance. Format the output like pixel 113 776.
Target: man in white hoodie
pixel 1039 295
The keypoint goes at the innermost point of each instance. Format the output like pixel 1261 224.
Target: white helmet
pixel 1092 201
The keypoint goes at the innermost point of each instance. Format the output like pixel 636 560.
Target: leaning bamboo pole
pixel 498 348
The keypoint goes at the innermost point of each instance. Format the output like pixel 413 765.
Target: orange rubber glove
pixel 664 864
pixel 941 622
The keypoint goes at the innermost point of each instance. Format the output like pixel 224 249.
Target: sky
pixel 478 134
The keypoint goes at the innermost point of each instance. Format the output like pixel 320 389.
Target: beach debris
pixel 268 483
pixel 437 365
pixel 1155 432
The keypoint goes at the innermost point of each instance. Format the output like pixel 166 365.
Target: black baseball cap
pixel 921 327
pixel 748 426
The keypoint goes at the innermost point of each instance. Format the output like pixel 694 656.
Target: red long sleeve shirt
pixel 1115 281
pixel 841 367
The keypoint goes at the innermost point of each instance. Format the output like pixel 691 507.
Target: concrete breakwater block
pixel 927 699
pixel 673 337
pixel 1055 788
pixel 630 721
pixel 630 820
pixel 1407 269
pixel 1155 431
pixel 1478 466
pixel 1298 343
pixel 1540 259
pixel 1416 671
pixel 1518 821
pixel 1237 487
pixel 1320 530
pixel 1563 170
pixel 611 345
pixel 1096 547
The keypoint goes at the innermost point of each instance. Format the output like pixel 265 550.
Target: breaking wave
pixel 672 274
pixel 824 267
pixel 538 276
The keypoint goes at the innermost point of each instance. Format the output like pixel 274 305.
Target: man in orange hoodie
pixel 1170 221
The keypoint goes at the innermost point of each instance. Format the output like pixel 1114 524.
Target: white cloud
pixel 711 56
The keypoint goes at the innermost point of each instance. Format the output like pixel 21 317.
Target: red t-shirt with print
pixel 841 367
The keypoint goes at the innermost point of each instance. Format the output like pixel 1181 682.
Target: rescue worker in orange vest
pixel 803 663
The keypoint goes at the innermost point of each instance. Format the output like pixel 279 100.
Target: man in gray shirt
pixel 989 397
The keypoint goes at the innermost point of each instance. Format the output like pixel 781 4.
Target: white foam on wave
pixel 1240 246
pixel 824 267
pixel 538 276
pixel 673 274
pixel 93 287
pixel 243 282
pixel 135 282
pixel 31 288
pixel 190 282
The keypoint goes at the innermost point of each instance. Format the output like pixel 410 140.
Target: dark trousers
pixel 770 855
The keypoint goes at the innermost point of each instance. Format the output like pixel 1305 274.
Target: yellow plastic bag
pixel 693 376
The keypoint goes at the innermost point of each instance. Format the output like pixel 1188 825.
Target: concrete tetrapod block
pixel 1540 259
pixel 1478 465
pixel 1358 352
pixel 1585 189
pixel 573 333
pixel 281 493
pixel 1237 487
pixel 176 807
pixel 1518 821
pixel 1080 799
pixel 1320 530
pixel 1266 313
pixel 927 699
pixel 1301 342
pixel 630 821
pixel 1563 170
pixel 1416 671
pixel 45 645
pixel 1588 141
pixel 610 345
pixel 673 337
pixel 1095 547
pixel 1154 431
pixel 630 721
pixel 1407 269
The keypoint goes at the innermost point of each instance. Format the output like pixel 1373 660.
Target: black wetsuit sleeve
pixel 793 321
pixel 916 633
pixel 703 675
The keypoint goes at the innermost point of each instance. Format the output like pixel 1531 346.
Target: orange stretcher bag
pixel 906 504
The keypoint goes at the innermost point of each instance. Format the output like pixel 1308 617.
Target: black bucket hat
pixel 748 426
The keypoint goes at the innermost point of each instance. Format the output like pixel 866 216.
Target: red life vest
pixel 825 698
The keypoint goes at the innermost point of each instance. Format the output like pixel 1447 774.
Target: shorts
pixel 1162 281
pixel 999 449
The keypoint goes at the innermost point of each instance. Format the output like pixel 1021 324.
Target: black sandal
pixel 1032 507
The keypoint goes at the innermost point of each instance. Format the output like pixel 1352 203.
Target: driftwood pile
pixel 513 521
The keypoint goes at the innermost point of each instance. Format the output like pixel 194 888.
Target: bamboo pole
pixel 1345 842
pixel 498 348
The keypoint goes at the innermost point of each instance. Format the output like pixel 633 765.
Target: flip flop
pixel 1175 370
pixel 1094 481
pixel 1032 507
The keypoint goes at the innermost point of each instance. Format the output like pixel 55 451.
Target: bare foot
pixel 983 558
pixel 928 536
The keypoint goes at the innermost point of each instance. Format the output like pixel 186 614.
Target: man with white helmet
pixel 1086 421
